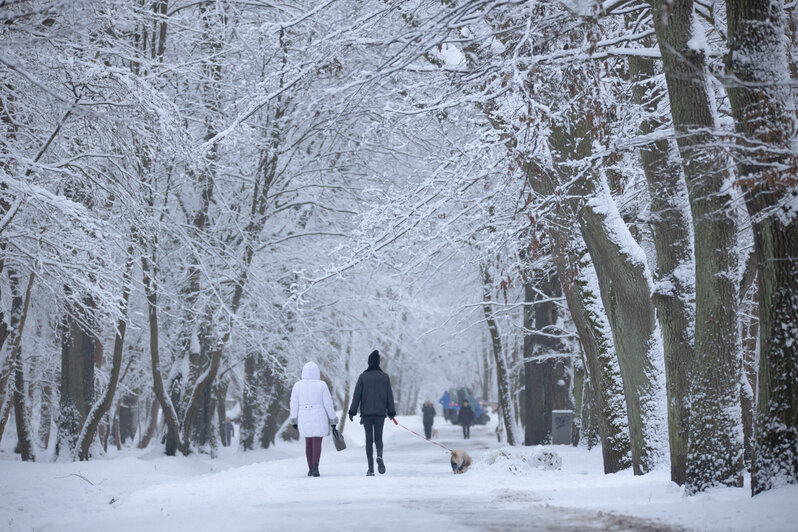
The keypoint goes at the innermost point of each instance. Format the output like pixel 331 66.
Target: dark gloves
pixel 296 427
pixel 334 425
pixel 351 416
pixel 391 415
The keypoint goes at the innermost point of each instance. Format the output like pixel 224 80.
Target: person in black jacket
pixel 374 397
pixel 429 416
pixel 466 418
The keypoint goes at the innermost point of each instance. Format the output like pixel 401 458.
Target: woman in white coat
pixel 312 413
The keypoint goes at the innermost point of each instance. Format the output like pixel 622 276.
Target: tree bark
pixel 764 114
pixel 486 374
pixel 221 411
pixel 604 373
pixel 624 284
pixel 715 442
pixel 275 411
pixel 674 288
pixel 19 314
pixel 590 430
pixel 146 437
pixel 545 365
pixel 46 410
pixel 502 374
pixel 77 378
pixel 6 370
pixel 104 403
pixel 170 415
pixel 116 428
pixel 577 277
pixel 578 397
pixel 750 325
pixel 347 387
pixel 5 411
pixel 202 369
pixel 250 402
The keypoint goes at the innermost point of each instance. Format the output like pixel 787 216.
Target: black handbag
pixel 338 440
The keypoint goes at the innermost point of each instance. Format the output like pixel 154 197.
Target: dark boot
pixel 370 473
pixel 315 470
pixel 310 471
pixel 380 465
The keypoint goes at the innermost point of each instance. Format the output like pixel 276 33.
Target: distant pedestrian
pixel 374 397
pixel 229 432
pixel 428 412
pixel 466 419
pixel 312 413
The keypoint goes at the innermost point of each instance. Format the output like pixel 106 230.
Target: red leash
pixel 422 437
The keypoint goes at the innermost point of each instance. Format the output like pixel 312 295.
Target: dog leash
pixel 442 446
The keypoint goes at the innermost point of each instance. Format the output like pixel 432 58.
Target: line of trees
pixel 212 190
pixel 645 158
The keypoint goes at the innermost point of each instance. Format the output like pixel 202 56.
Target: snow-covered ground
pixel 269 490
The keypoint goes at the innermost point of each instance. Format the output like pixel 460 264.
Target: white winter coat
pixel 311 404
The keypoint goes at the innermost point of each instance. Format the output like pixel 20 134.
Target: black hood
pixel 374 360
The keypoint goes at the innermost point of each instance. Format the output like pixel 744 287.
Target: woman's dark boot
pixel 315 470
pixel 380 465
pixel 370 473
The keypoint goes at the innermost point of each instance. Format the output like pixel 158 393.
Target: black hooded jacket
pixel 466 415
pixel 373 393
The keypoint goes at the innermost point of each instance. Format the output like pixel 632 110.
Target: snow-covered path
pixel 269 490
pixel 418 492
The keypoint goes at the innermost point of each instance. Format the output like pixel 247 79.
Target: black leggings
pixel 373 427
pixel 466 432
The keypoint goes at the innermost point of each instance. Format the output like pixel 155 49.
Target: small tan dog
pixel 434 434
pixel 460 461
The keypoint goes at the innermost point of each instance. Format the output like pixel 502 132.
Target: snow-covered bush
pixel 523 461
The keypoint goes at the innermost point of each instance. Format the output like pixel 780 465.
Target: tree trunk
pixel 715 442
pixel 46 410
pixel 624 284
pixel 77 380
pixel 5 411
pixel 625 287
pixel 170 415
pixel 104 403
pixel 275 411
pixel 604 373
pixel 578 398
pixel 153 425
pixel 347 398
pixel 104 431
pixel 502 377
pixel 19 313
pixel 763 110
pixel 221 411
pixel 537 379
pixel 6 370
pixel 545 365
pixel 249 408
pixel 591 434
pixel 486 374
pixel 674 288
pixel 116 428
pixel 127 416
pixel 750 307
pixel 577 277
pixel 347 386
